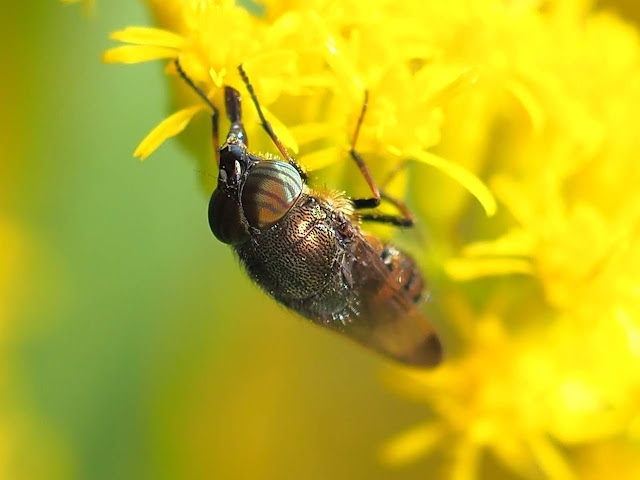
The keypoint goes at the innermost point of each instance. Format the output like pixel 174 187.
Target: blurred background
pixel 131 344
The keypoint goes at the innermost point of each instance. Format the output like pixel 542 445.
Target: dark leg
pixel 375 200
pixel 267 126
pixel 214 110
pixel 214 136
pixel 390 219
pixel 406 219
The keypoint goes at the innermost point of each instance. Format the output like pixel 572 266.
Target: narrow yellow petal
pixel 510 449
pixel 310 132
pixel 218 77
pixel 156 37
pixel 137 54
pixel 531 105
pixel 272 61
pixel 631 329
pixel 464 177
pixel 552 463
pixel 334 54
pixel 471 268
pixel 168 128
pixel 465 461
pixel 411 444
pixel 517 242
pixel 281 130
pixel 451 87
pixel 320 158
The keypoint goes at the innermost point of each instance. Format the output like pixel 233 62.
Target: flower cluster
pixel 539 305
pixel 300 57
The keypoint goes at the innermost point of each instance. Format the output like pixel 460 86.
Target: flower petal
pixel 312 131
pixel 339 62
pixel 464 177
pixel 411 444
pixel 550 459
pixel 272 61
pixel 516 242
pixel 529 102
pixel 157 37
pixel 465 460
pixel 169 127
pixel 320 158
pixel 281 131
pixel 137 54
pixel 471 268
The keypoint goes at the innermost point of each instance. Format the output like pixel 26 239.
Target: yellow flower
pixel 564 165
pixel 301 56
pixel 521 397
pixel 539 306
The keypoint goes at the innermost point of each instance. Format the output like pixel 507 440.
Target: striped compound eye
pixel 269 192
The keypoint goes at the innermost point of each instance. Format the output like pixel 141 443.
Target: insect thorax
pixel 318 263
pixel 300 260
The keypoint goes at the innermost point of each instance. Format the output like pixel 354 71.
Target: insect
pixel 306 249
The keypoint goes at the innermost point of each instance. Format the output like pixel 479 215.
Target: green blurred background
pixel 134 346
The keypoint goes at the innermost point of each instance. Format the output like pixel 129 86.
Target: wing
pixel 389 287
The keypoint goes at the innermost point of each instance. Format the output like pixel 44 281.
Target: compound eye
pixel 269 192
pixel 225 219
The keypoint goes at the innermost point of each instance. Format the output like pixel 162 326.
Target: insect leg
pixel 406 219
pixel 267 126
pixel 214 135
pixel 214 110
pixel 394 220
pixel 375 200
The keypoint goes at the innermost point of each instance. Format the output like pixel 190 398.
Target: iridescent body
pixel 317 262
pixel 307 251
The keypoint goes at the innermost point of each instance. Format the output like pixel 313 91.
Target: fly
pixel 305 248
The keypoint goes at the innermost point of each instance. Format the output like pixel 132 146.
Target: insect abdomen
pixel 389 302
pixel 404 272
pixel 319 264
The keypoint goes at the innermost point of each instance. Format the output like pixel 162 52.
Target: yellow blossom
pixel 298 54
pixel 521 397
pixel 539 306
